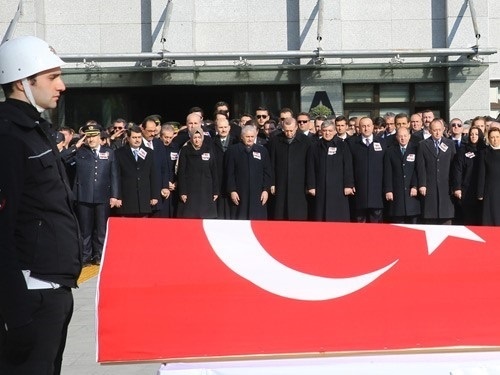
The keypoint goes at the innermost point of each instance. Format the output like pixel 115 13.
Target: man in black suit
pixel 400 180
pixel 96 189
pixel 341 128
pixel 167 135
pixel 390 127
pixel 248 170
pixel 149 140
pixel 193 120
pixel 222 141
pixel 288 151
pixel 304 122
pixel 330 176
pixel 434 158
pixel 368 164
pixel 138 179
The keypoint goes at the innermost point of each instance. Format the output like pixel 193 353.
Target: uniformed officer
pixel 40 248
pixel 96 190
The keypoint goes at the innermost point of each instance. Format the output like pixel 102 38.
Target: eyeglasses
pixel 456 124
pixel 261 116
pixel 118 128
pixel 302 121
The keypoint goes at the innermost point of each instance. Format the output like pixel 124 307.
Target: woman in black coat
pixel 198 185
pixel 465 174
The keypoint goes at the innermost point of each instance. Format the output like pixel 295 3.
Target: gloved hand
pixel 18 343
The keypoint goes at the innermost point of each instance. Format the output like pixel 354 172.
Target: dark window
pixel 376 99
pixel 171 102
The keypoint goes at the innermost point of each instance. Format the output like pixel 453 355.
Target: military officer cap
pixel 92 129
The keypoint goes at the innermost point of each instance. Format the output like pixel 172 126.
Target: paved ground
pixel 80 354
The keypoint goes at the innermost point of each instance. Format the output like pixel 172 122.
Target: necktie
pixel 436 145
pixel 134 151
pixel 223 143
pixel 367 141
pixel 403 150
pixel 94 151
pixel 457 145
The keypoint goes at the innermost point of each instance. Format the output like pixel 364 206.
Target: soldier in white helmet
pixel 40 246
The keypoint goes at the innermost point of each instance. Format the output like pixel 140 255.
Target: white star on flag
pixel 436 234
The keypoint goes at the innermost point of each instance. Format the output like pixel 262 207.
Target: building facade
pixel 133 58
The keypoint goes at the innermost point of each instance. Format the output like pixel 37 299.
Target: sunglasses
pixel 118 128
pixel 456 124
pixel 302 121
pixel 261 116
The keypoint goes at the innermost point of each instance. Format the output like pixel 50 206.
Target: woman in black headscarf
pixel 464 176
pixel 197 178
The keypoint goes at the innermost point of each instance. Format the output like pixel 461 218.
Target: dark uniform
pixel 40 247
pixel 96 181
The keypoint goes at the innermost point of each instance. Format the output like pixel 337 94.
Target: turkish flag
pixel 173 289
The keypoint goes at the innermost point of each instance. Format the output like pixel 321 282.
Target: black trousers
pixel 404 219
pixel 368 215
pixel 52 311
pixel 92 218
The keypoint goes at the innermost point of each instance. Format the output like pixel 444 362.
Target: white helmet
pixel 25 56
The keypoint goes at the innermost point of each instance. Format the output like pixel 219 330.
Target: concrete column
pixel 468 86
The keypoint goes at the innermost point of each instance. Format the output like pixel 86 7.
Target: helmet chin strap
pixel 29 95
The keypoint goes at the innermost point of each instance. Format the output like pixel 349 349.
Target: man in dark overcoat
pixel 330 176
pixel 368 163
pixel 400 180
pixel 434 159
pixel 288 152
pixel 138 179
pixel 148 127
pixel 167 134
pixel 248 169
pixel 221 142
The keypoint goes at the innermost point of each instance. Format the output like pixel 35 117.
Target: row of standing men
pixel 286 175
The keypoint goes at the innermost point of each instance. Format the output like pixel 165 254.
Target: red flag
pixel 173 289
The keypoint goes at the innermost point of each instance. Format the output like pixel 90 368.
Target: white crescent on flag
pixel 235 244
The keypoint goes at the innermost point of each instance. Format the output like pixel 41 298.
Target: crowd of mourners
pixel 398 168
